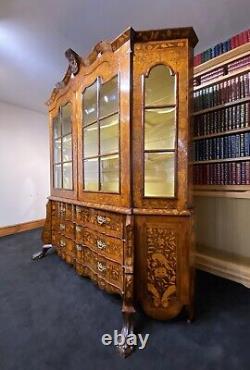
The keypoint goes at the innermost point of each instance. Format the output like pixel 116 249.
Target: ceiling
pixel 35 33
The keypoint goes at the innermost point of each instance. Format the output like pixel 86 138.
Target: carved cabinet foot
pixel 43 253
pixel 124 348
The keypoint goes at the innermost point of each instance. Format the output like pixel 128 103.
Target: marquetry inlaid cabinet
pixel 120 210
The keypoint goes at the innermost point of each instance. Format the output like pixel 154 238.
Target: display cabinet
pixel 120 209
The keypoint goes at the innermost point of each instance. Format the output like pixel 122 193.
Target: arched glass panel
pixel 160 132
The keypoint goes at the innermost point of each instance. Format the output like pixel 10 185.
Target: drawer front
pixel 102 221
pixel 66 249
pixel 110 271
pixel 104 245
pixel 106 222
pixel 81 215
pixel 107 270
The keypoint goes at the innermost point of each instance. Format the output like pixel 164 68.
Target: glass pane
pixel 67 175
pixel 67 148
pixel 66 119
pixel 109 134
pixel 109 97
pixel 110 173
pixel 90 104
pixel 159 174
pixel 57 150
pixel 56 127
pixel 160 128
pixel 159 87
pixel 90 137
pixel 90 168
pixel 57 176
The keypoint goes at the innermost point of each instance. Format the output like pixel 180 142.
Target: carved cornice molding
pixel 75 61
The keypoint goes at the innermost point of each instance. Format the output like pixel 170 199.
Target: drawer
pixel 110 271
pixel 106 222
pixel 81 215
pixel 103 245
pixel 66 249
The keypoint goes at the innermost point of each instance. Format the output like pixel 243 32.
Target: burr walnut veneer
pixel 120 210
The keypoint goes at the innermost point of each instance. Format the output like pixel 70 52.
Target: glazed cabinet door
pixel 103 100
pixel 160 124
pixel 63 148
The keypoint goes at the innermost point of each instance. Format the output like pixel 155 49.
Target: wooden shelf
pixel 237 159
pixel 224 133
pixel 222 187
pixel 220 60
pixel 223 264
pixel 221 106
pixel 222 191
pixel 221 78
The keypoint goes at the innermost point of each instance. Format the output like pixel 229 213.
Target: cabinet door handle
pixel 78 209
pixel 62 227
pixel 78 229
pixel 62 243
pixel 101 220
pixel 101 267
pixel 78 247
pixel 100 244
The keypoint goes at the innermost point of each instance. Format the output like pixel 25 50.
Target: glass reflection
pixel 109 134
pixel 90 136
pixel 160 128
pixel 57 150
pixel 109 97
pixel 160 87
pixel 56 127
pixel 67 148
pixel 66 119
pixel 67 176
pixel 58 176
pixel 90 173
pixel 110 173
pixel 90 104
pixel 159 175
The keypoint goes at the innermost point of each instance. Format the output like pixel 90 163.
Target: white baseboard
pixel 229 269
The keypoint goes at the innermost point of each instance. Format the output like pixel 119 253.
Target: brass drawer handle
pixel 101 267
pixel 62 227
pixel 78 229
pixel 62 243
pixel 78 247
pixel 100 244
pixel 101 220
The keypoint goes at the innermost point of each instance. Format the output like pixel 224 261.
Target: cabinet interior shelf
pixel 223 133
pixel 221 106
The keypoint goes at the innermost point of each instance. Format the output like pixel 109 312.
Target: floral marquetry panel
pixel 161 264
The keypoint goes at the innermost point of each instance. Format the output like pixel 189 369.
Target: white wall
pixel 24 164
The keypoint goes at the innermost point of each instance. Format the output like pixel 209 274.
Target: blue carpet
pixel 52 319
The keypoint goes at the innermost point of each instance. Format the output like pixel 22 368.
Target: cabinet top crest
pixel 76 61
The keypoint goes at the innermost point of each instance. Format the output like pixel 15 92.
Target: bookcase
pixel 221 162
pixel 221 127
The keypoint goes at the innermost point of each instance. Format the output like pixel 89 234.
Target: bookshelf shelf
pixel 222 78
pixel 218 134
pixel 222 59
pixel 221 106
pixel 238 159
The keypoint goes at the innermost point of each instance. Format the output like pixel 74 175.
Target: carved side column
pixel 128 297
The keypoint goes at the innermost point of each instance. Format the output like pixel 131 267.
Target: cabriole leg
pixel 43 253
